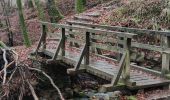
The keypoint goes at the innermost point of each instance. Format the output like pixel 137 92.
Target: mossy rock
pixel 131 98
pixel 167 76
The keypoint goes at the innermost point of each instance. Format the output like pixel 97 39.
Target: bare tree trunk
pixel 27 41
pixel 6 14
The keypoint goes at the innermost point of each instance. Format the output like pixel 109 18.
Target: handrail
pixel 122 34
pixel 118 28
pixel 164 48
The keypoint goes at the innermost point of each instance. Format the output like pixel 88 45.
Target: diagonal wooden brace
pixel 77 66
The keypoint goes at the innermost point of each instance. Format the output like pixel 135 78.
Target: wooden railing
pixel 163 47
pixel 87 40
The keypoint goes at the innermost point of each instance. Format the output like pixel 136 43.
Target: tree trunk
pixel 6 10
pixel 53 11
pixel 79 6
pixel 27 41
pixel 40 9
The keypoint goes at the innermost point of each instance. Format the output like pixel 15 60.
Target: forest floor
pixel 119 13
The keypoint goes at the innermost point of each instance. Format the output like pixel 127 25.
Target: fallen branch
pixel 51 80
pixel 5 66
pixel 16 57
pixel 32 90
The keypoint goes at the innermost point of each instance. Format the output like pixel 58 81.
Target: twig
pixel 32 90
pixel 12 75
pixel 51 80
pixel 5 66
pixel 16 58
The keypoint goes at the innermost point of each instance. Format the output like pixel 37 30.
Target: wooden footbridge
pixel 84 46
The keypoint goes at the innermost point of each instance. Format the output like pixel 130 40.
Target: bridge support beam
pixel 61 45
pixel 166 55
pixel 126 69
pixel 42 40
pixel 84 53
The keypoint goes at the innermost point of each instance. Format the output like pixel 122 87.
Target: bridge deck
pixel 106 69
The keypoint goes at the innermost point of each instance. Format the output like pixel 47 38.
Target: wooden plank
pixel 165 63
pixel 57 50
pixel 105 57
pixel 107 47
pixel 139 79
pixel 126 69
pixel 74 33
pixel 166 56
pixel 121 65
pixel 147 46
pixel 87 55
pixel 100 73
pixel 104 39
pixel 40 40
pixel 125 29
pixel 123 34
pixel 78 41
pixel 63 42
pixel 83 52
pixel 44 31
pixel 136 67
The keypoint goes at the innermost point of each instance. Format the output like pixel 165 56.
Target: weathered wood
pixel 42 37
pixel 126 69
pixel 108 74
pixel 57 50
pixel 82 54
pixel 71 34
pixel 44 30
pixel 105 69
pixel 103 38
pixel 121 65
pixel 150 71
pixel 124 29
pixel 147 46
pixel 107 47
pixel 123 34
pixel 166 56
pixel 63 42
pixel 94 40
pixel 87 55
pixel 73 40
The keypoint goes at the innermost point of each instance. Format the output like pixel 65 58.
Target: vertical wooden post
pixel 165 55
pixel 126 69
pixel 121 46
pixel 95 49
pixel 71 43
pixel 44 32
pixel 87 55
pixel 63 42
pixel 72 36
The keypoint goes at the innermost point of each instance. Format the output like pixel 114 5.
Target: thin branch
pixel 12 75
pixel 5 66
pixel 32 90
pixel 51 80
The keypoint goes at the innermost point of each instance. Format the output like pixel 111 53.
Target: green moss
pixel 167 76
pixel 131 98
pixel 120 84
pixel 27 41
pixel 53 12
pixel 79 6
pixel 40 9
